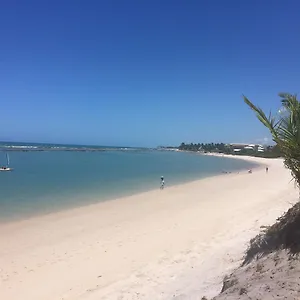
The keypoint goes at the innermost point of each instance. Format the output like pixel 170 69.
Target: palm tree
pixel 285 130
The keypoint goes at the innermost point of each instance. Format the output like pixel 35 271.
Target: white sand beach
pixel 172 244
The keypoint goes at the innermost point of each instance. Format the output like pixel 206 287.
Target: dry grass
pixel 284 234
pixel 228 282
pixel 275 249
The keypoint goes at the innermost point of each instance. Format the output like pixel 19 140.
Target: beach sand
pixel 172 244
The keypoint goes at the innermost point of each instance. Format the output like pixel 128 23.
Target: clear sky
pixel 144 73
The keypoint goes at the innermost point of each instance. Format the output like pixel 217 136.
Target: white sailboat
pixel 6 168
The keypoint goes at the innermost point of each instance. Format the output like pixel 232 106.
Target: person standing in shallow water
pixel 162 182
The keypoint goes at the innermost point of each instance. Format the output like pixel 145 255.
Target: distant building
pixel 238 147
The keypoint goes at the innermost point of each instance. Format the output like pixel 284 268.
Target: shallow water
pixel 43 182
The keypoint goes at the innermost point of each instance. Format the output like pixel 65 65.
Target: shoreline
pixel 97 200
pixel 180 241
pixel 152 192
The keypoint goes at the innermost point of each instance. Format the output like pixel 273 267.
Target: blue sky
pixel 144 73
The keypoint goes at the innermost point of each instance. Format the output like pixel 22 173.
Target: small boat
pixel 6 168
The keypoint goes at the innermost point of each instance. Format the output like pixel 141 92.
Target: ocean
pixel 48 181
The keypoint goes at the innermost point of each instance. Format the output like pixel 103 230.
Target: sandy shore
pixel 171 244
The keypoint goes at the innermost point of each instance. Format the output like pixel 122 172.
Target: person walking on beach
pixel 267 169
pixel 162 182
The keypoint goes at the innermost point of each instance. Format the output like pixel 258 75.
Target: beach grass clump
pixel 284 234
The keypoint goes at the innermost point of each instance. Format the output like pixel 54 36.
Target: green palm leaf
pixel 285 130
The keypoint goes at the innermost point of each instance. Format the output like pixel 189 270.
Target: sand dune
pixel 177 243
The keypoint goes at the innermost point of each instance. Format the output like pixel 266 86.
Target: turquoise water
pixel 43 182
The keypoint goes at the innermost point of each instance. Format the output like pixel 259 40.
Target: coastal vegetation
pixel 273 255
pixel 209 147
pixel 278 244
pixel 234 149
pixel 285 130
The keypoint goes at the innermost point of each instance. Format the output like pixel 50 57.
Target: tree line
pixel 208 147
pixel 270 151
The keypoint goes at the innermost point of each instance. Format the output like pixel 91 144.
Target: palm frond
pixel 268 122
pixel 285 130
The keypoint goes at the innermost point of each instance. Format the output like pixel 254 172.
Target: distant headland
pixel 230 149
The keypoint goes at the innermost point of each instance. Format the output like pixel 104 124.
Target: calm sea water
pixel 43 182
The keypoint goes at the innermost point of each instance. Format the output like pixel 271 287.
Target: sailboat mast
pixel 7 158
